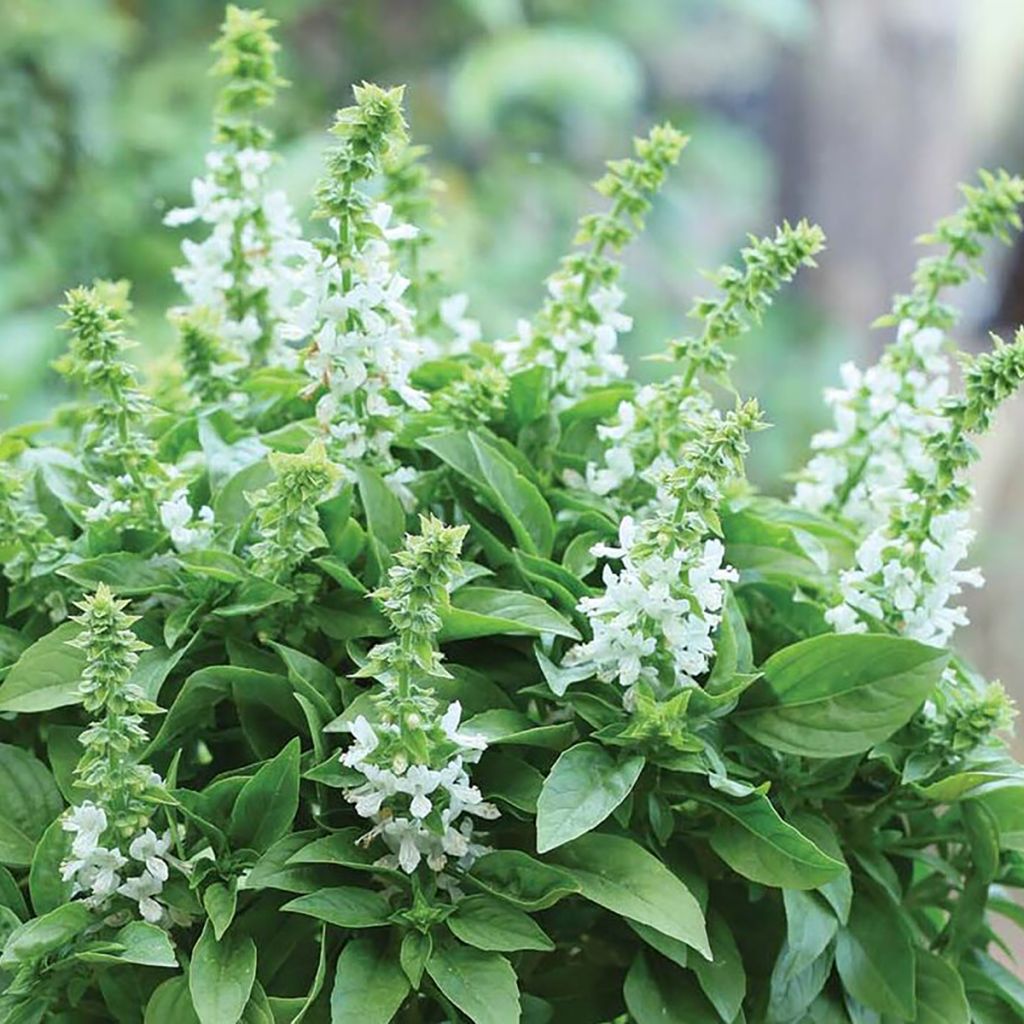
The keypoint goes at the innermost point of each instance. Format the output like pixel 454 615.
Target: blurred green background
pixel 861 116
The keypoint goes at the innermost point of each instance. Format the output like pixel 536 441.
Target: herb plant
pixel 357 670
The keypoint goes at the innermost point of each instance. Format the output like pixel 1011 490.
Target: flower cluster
pixel 648 432
pixel 241 279
pixel 113 436
pixel 907 570
pixel 120 810
pixel 31 549
pixel 286 516
pixel 363 342
pixel 413 759
pixel 884 415
pixel 652 624
pixel 576 332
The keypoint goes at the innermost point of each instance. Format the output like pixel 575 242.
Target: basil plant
pixel 356 669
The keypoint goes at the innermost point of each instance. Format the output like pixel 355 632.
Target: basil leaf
pixel 489 924
pixel 481 984
pixel 221 975
pixel 369 985
pixel 839 694
pixel 584 786
pixel 621 876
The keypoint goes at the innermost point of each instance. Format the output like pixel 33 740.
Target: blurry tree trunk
pixel 872 144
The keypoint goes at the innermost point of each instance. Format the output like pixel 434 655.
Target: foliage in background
pixel 357 670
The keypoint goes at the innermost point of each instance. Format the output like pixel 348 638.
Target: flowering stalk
pixel 113 437
pixel 243 274
pixel 119 814
pixel 576 331
pixel 31 549
pixel 884 415
pixel 286 511
pixel 648 433
pixel 907 569
pixel 413 759
pixel 652 625
pixel 363 344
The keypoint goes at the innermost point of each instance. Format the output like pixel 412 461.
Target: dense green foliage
pixel 358 670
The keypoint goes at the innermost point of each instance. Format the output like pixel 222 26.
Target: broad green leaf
pixel 267 803
pixel 664 994
pixel 504 726
pixel 875 958
pixel 723 978
pixel 145 944
pixel 171 1003
pixel 487 923
pixel 481 984
pixel 489 611
pixel 221 975
pixel 46 934
pixel 220 900
pixel 126 573
pixel 793 992
pixel 385 519
pixel 500 484
pixel 45 885
pixel 345 906
pixel 509 780
pixel 29 801
pixel 621 876
pixel 839 694
pixel 47 674
pixel 518 878
pixel 343 849
pixel 941 998
pixel 584 786
pixel 369 984
pixel 756 843
pixel 1006 806
pixel 810 928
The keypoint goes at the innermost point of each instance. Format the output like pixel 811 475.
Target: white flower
pixel 88 821
pixel 96 872
pixel 188 530
pixel 150 849
pixel 142 889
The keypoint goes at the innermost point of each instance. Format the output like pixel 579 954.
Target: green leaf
pixel 621 876
pixel 839 694
pixel 267 803
pixel 810 928
pixel 345 906
pixel 722 978
pixel 343 849
pixel 516 877
pixel 941 998
pixel 145 944
pixel 220 901
pixel 29 801
pixel 46 934
pixel 489 611
pixel 664 994
pixel 47 674
pixel 498 482
pixel 756 843
pixel 584 786
pixel 369 984
pixel 481 984
pixel 385 518
pixel 221 975
pixel 171 1003
pixel 489 924
pixel 47 888
pixel 126 573
pixel 505 726
pixel 875 958
pixel 509 780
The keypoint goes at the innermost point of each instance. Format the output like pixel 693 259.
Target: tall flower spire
pixel 576 332
pixel 244 271
pixel 413 758
pixel 884 415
